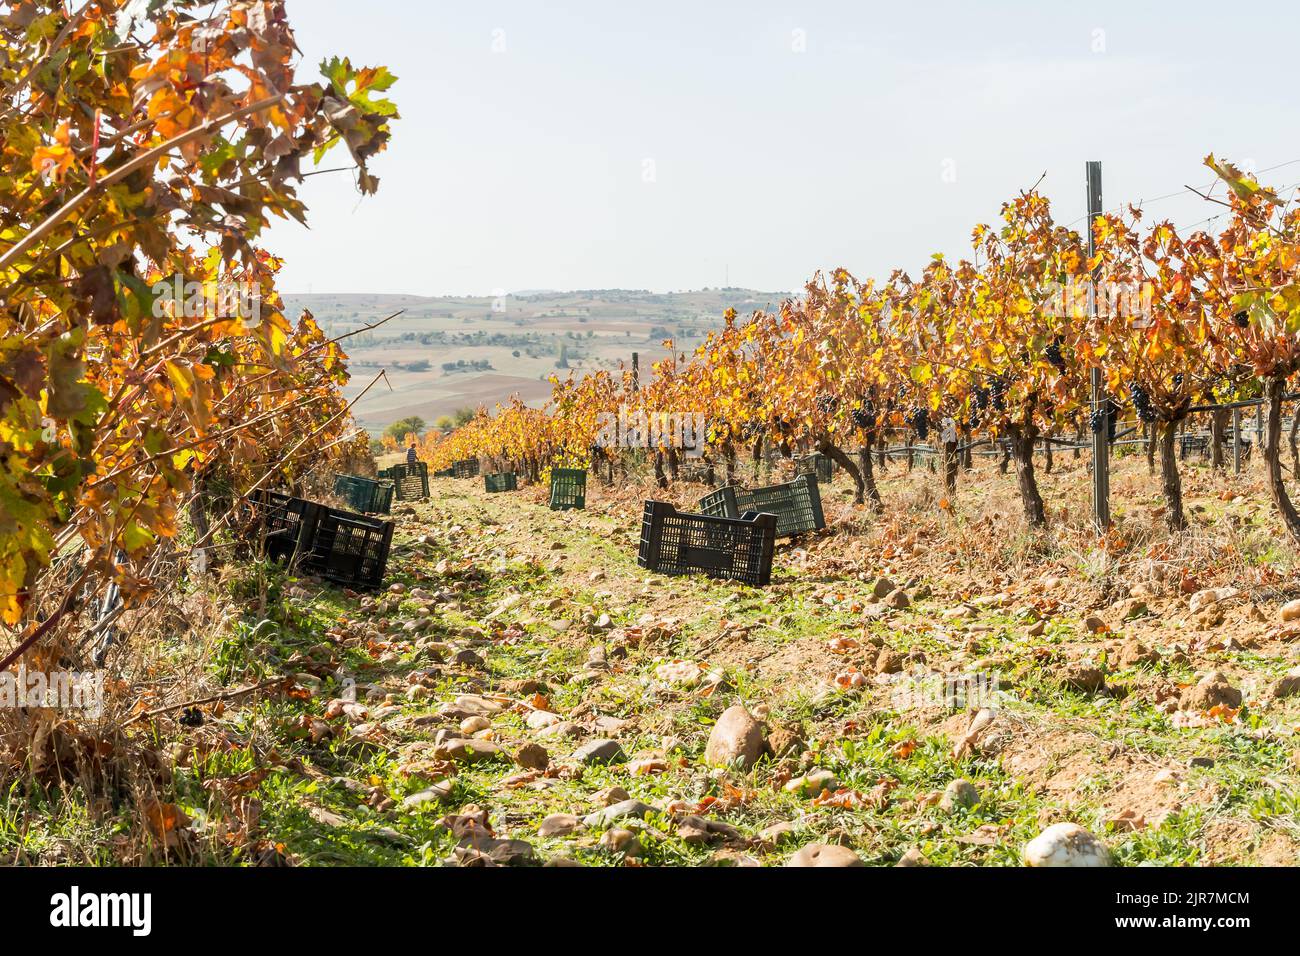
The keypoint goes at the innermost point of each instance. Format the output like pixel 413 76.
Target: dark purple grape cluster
pixel 826 404
pixel 1241 320
pixel 1053 353
pixel 1106 417
pixel 1142 403
pixel 998 393
pixel 864 415
pixel 920 421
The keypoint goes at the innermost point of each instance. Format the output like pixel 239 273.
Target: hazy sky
pixel 673 145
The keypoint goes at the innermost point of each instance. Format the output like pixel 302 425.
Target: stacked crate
pixel 410 480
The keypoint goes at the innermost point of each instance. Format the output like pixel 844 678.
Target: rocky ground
pixel 935 687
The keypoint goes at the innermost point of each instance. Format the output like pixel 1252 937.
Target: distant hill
pixel 449 352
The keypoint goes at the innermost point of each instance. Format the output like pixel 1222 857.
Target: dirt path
pixel 524 693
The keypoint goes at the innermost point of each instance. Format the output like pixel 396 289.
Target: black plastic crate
pixel 404 469
pixel 412 487
pixel 410 480
pixel 465 468
pixel 735 549
pixel 797 504
pixel 286 525
pixel 445 473
pixel 568 488
pixel 369 495
pixel 820 465
pixel 503 481
pixel 350 549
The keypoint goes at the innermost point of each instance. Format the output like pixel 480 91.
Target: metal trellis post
pixel 1100 443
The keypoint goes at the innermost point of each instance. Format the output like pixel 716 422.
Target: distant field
pixel 432 395
pixel 444 354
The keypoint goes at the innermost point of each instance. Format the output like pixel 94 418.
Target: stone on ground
pixel 825 854
pixel 737 739
pixel 1066 844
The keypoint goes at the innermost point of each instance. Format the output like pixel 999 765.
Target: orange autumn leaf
pixel 904 749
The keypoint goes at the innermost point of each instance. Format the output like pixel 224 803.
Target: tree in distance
pixel 413 425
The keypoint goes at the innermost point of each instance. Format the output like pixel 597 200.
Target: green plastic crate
pixel 366 495
pixel 356 491
pixel 503 481
pixel 818 464
pixel 797 505
pixel 568 488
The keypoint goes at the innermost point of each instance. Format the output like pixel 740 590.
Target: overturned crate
pixel 350 549
pixel 818 465
pixel 367 495
pixel 286 525
pixel 735 549
pixel 797 504
pixel 410 480
pixel 568 488
pixel 465 468
pixel 502 481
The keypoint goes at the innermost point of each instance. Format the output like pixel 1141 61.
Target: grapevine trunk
pixel 837 455
pixel 869 478
pixel 951 462
pixel 1170 483
pixel 1022 453
pixel 1274 392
